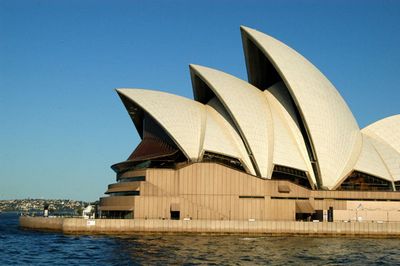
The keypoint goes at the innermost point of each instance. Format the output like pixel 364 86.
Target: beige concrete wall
pixel 154 207
pixel 216 208
pixel 212 179
pixel 280 210
pixel 133 173
pixel 373 216
pixel 326 203
pixel 42 223
pixel 210 191
pixel 373 205
pixel 125 201
pixel 126 226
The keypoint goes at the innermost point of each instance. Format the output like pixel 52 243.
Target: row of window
pixel 125 193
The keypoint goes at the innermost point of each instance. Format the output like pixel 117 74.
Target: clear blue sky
pixel 61 123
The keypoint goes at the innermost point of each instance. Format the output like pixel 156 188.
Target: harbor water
pixel 24 247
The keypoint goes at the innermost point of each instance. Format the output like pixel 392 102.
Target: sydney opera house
pixel 283 145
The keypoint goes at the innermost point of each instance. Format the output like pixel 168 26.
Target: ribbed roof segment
pixel 182 118
pixel 289 147
pixel 387 129
pixel 385 135
pixel 371 162
pixel 193 126
pixel 330 124
pixel 221 138
pixel 249 111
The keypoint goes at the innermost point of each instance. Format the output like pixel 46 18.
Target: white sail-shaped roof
pixel 221 138
pixel 389 155
pixel 217 105
pixel 289 146
pixel 183 119
pixel 194 127
pixel 370 161
pixel 248 109
pixel 387 129
pixel 331 127
pixel 385 136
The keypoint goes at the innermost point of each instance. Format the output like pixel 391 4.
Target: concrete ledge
pixel 129 226
pixel 41 223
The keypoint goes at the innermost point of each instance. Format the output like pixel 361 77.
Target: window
pixel 175 215
pixel 359 181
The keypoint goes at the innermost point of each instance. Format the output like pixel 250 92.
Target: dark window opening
pixel 125 193
pixel 309 217
pixel 175 215
pixel 292 198
pixel 224 160
pixel 123 167
pixel 117 214
pixel 330 214
pixel 318 215
pixel 359 181
pixel 251 197
pixel 133 179
pixel 290 174
pixel 305 217
pixel 397 185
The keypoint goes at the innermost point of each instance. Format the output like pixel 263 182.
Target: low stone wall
pixel 129 226
pixel 367 215
pixel 41 223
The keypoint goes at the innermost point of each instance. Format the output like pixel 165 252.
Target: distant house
pixel 88 212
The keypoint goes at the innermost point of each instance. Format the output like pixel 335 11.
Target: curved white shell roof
pixel 221 138
pixel 385 136
pixel 289 146
pixel 194 127
pixel 390 156
pixel 371 162
pixel 333 130
pixel 182 118
pixel 387 129
pixel 249 110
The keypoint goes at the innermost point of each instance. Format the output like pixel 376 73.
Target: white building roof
pixel 289 146
pixel 330 124
pixel 387 129
pixel 194 127
pixel 371 162
pixel 385 136
pixel 246 105
pixel 221 138
pixel 183 119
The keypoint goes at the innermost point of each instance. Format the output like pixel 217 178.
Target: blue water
pixel 22 247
